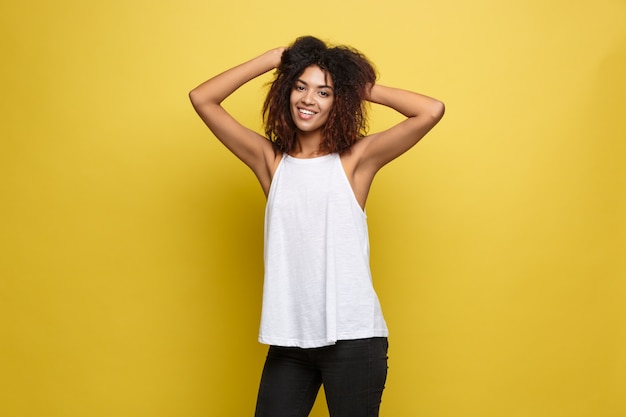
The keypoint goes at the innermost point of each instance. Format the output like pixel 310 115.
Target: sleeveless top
pixel 318 285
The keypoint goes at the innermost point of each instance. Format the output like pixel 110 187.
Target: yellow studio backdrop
pixel 131 240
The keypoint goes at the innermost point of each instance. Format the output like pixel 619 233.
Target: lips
pixel 306 114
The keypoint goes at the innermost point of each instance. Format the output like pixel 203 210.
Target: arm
pixel 422 114
pixel 253 149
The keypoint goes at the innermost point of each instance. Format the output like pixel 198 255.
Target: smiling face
pixel 311 100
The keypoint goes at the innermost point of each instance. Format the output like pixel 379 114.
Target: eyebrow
pixel 319 86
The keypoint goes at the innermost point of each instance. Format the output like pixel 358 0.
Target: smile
pixel 306 112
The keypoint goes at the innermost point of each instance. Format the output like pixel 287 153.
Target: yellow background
pixel 131 240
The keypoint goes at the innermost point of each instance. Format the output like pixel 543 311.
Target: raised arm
pixel 422 114
pixel 374 151
pixel 253 149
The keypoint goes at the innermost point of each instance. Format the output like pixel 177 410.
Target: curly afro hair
pixel 352 74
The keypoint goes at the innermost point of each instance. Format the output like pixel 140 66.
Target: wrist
pixel 374 94
pixel 273 57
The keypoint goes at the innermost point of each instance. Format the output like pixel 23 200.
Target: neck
pixel 308 145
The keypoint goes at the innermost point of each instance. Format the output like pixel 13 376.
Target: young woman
pixel 320 316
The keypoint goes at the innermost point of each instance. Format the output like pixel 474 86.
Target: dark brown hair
pixel 351 73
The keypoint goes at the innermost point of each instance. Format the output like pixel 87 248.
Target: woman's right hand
pixel 253 149
pixel 275 55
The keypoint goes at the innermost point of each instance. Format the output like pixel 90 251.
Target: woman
pixel 321 316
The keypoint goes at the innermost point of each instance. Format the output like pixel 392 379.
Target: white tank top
pixel 318 286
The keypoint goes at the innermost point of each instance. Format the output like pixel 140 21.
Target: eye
pixel 298 87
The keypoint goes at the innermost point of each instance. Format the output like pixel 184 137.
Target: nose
pixel 307 98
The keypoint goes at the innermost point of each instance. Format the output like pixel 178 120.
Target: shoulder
pixel 355 157
pixel 265 172
pixel 355 161
pixel 360 174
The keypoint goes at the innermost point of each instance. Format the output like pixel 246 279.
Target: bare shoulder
pixel 272 158
pixel 360 174
pixel 355 159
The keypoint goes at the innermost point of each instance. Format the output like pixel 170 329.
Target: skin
pixel 366 156
pixel 311 101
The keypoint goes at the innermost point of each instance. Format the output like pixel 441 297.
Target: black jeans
pixel 353 373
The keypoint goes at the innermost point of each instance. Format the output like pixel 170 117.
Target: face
pixel 312 99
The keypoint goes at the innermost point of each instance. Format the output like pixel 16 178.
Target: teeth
pixel 307 112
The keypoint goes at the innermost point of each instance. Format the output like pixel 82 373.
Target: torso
pixel 360 177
